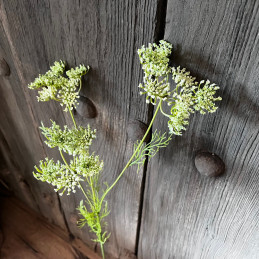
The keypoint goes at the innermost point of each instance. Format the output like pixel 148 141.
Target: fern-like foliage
pixel 94 212
pixel 149 150
pixel 82 166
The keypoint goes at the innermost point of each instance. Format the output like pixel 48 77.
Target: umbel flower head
pixel 72 141
pixel 187 95
pixel 53 85
pixel 67 178
pixel 154 60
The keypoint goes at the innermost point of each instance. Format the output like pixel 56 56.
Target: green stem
pixel 102 250
pixel 83 191
pixel 81 187
pixel 73 118
pixel 90 182
pixel 80 86
pixel 92 188
pixel 167 115
pixel 65 161
pixel 128 164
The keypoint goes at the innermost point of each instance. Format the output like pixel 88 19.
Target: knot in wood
pixel 136 130
pixel 209 164
pixel 4 68
pixel 86 108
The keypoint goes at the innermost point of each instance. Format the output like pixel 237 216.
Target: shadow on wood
pixel 25 235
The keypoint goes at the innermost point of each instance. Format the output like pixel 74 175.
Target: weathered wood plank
pixel 105 35
pixel 186 215
pixel 20 142
pixel 24 234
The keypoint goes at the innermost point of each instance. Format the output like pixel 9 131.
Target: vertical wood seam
pixel 159 33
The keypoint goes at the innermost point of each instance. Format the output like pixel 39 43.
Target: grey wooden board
pixel 185 215
pixel 104 35
pixel 20 142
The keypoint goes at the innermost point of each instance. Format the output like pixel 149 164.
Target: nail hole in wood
pixel 136 130
pixel 209 164
pixel 86 108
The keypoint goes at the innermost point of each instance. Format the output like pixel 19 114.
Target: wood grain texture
pixel 185 215
pixel 20 141
pixel 26 235
pixel 104 35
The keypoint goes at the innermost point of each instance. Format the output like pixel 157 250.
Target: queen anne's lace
pixel 72 141
pixel 154 60
pixel 187 96
pixel 53 85
pixel 75 141
pixel 67 178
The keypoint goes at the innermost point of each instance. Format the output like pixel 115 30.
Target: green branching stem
pixel 90 182
pixel 65 161
pixel 187 97
pixel 101 245
pixel 83 191
pixel 132 157
pixel 81 187
pixel 80 86
pixel 73 119
pixel 161 109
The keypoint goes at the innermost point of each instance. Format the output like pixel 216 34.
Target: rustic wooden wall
pixel 184 215
pixel 24 234
pixel 105 35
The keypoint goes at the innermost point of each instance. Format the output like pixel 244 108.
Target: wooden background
pixel 168 210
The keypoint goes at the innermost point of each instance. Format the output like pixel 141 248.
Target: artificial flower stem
pixel 73 118
pixel 128 164
pixel 167 115
pixel 82 189
pixel 90 182
pixel 65 161
pixel 101 245
pixel 80 86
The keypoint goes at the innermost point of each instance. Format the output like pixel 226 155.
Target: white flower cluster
pixel 55 86
pixel 72 141
pixel 67 179
pixel 183 79
pixel 83 166
pixel 154 60
pixel 188 96
pixel 69 95
pixel 180 113
pixel 185 98
pixel 86 165
pixel 155 89
pixel 205 100
pixel 58 175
